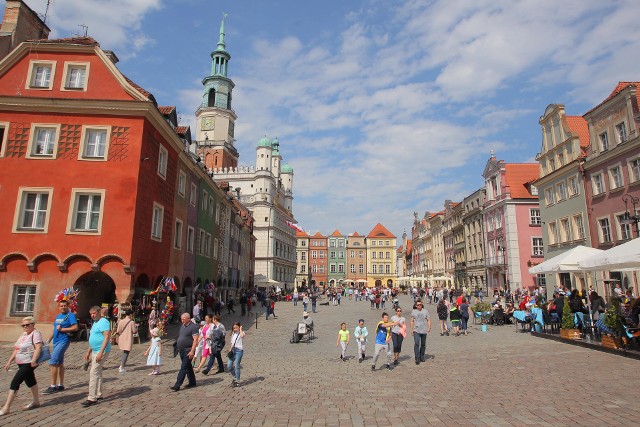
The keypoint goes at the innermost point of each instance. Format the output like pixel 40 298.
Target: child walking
pixel 343 341
pixel 361 338
pixel 154 352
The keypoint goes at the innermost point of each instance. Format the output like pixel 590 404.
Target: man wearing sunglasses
pixel 420 327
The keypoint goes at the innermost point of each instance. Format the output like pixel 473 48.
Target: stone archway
pixel 94 288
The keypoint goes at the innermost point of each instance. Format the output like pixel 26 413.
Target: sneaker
pixel 87 403
pixel 50 389
pixel 205 372
pixel 373 367
pixel 395 362
pixel 388 367
pixel 60 388
pixel 417 362
pixel 341 358
pixel 360 360
pixel 121 370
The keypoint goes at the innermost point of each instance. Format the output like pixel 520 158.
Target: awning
pixel 566 261
pixel 622 257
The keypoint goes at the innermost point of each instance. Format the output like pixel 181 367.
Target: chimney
pixel 20 24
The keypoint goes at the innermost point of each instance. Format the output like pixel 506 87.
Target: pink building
pixel 512 228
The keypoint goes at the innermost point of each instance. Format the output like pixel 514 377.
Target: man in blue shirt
pixel 99 348
pixel 64 324
pixel 383 336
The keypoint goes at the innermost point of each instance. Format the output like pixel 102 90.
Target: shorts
pixel 455 322
pixel 57 354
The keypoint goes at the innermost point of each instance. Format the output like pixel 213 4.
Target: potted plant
pixel 482 308
pixel 567 326
pixel 613 322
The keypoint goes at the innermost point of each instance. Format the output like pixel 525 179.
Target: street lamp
pixel 453 262
pixel 503 251
pixel 627 218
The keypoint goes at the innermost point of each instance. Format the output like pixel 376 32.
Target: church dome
pixel 286 168
pixel 264 142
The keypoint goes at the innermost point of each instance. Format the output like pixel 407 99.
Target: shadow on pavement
pixel 252 380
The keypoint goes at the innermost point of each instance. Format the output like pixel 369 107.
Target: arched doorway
pixel 94 288
pixel 389 283
pixel 378 283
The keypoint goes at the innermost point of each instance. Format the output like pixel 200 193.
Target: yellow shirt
pixel 344 335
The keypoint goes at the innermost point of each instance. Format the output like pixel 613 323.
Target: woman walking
pixel 205 338
pixel 26 352
pixel 235 353
pixel 127 327
pixel 465 313
pixel 398 332
pixel 443 313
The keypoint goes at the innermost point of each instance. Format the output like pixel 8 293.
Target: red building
pixel 318 264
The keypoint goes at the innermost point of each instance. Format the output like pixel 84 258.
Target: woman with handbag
pixel 125 331
pixel 235 353
pixel 26 353
pixel 398 333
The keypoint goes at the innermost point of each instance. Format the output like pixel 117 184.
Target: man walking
pixel 314 301
pixel 186 345
pixel 420 327
pixel 383 336
pixel 99 348
pixel 64 324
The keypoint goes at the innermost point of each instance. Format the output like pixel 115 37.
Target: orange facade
pixel 318 264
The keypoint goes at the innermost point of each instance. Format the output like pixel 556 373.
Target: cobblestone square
pixel 498 377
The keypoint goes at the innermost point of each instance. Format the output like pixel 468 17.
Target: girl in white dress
pixel 154 352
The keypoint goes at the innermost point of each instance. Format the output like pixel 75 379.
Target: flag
pixel 295 226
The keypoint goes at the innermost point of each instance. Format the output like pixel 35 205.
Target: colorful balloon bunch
pixel 70 295
pixel 165 316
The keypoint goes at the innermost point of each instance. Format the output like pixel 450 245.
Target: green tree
pixel 567 316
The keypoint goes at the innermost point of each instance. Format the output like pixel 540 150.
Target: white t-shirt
pixel 236 341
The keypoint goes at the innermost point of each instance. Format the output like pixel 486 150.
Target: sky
pixel 382 108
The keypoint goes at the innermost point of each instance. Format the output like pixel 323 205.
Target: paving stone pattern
pixel 498 377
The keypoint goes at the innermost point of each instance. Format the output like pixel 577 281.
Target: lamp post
pixel 628 218
pixel 426 271
pixel 453 262
pixel 503 251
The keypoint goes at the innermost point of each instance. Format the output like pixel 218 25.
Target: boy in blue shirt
pixel 383 336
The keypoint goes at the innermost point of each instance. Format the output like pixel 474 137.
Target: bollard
pixel 256 320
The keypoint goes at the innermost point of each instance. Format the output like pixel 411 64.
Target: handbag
pixel 231 354
pixel 45 352
pixel 116 336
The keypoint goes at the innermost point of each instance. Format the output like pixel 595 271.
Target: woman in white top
pixel 235 353
pixel 398 332
pixel 26 352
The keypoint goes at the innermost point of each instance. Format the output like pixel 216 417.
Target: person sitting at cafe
pixel 575 303
pixel 508 313
pixel 558 302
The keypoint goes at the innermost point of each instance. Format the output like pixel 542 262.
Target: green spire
pixel 221 45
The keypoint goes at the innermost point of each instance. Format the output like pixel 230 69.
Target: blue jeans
pixel 235 361
pixel 295 301
pixel 419 345
pixel 305 305
pixel 186 369
pixel 313 307
pixel 212 358
pixel 268 312
pixel 463 322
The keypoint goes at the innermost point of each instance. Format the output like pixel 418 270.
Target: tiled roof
pixel 409 246
pixel 400 248
pixel 88 41
pixel 336 233
pixel 138 88
pixel 517 175
pixel 355 234
pixel 578 126
pixel 380 231
pixel 318 234
pixel 181 130
pixel 619 88
pixel 301 233
pixel 166 110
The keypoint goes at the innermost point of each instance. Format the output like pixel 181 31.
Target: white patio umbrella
pixel 622 257
pixel 566 261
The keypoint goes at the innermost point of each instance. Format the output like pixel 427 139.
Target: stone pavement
pixel 498 377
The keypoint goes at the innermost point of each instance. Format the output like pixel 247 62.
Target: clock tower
pixel 215 119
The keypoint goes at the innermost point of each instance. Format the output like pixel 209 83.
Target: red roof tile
pixel 517 175
pixel 88 41
pixel 138 88
pixel 619 88
pixel 380 231
pixel 355 234
pixel 181 130
pixel 301 234
pixel 318 234
pixel 578 126
pixel 166 110
pixel 409 246
pixel 336 233
pixel 399 250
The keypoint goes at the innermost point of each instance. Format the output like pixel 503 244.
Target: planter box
pixel 570 334
pixel 611 342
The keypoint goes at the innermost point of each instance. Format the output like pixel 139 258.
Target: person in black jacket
pixel 558 300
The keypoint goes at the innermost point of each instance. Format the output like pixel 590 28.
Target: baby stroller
pixel 396 304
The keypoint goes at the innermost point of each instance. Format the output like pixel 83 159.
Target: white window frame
pixel 623 229
pixel 177 233
pixel 4 137
pixel 565 230
pixel 156 227
pixel 360 268
pixel 201 241
pixel 30 299
pixel 19 208
pixel 621 132
pixel 600 178
pixel 579 226
pixel 84 142
pixel 552 231
pixel 601 233
pixel 603 141
pixel 534 216
pixel 549 196
pixel 634 176
pixel 191 238
pixel 182 183
pixel 29 83
pixel 561 188
pixel 193 196
pixel 612 182
pixel 537 246
pixel 35 127
pixel 205 200
pixel 68 65
pixel 211 206
pixel 163 162
pixel 573 186
pixel 76 193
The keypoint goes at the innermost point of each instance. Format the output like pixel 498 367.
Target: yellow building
pixel 381 259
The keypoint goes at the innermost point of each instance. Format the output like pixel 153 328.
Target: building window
pixel 41 75
pixel 303 243
pixel 4 131
pixel 534 216
pixel 541 280
pixel 75 76
pixel 605 230
pixel 387 269
pixel 374 255
pixel 560 159
pixel 625 229
pixel 598 184
pixel 190 238
pixel 566 230
pixel 303 268
pixel 23 300
pixel 341 243
pixel 375 268
pixel 360 254
pixel 574 188
pixel 549 196
pixel 615 177
pixel 215 248
pixel 621 132
pixel 177 235
pixel 578 226
pixel 538 246
pixel 340 268
pixel 534 192
pixel 207 245
pixel 321 254
pixel 332 243
pixel 332 268
pixel 333 254
pixel 33 210
pixel 361 268
pixel 156 223
pixel 562 191
pixel 201 242
pixel 314 254
pixel 553 233
pixel 86 211
pixel 303 256
pixel 604 141
pixel 205 200
pixel 182 183
pixel 388 255
pixel 552 165
pixel 634 170
pixel 352 268
pixel 211 206
pixel 94 143
pixel 163 158
pixel 373 243
pixel 44 141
